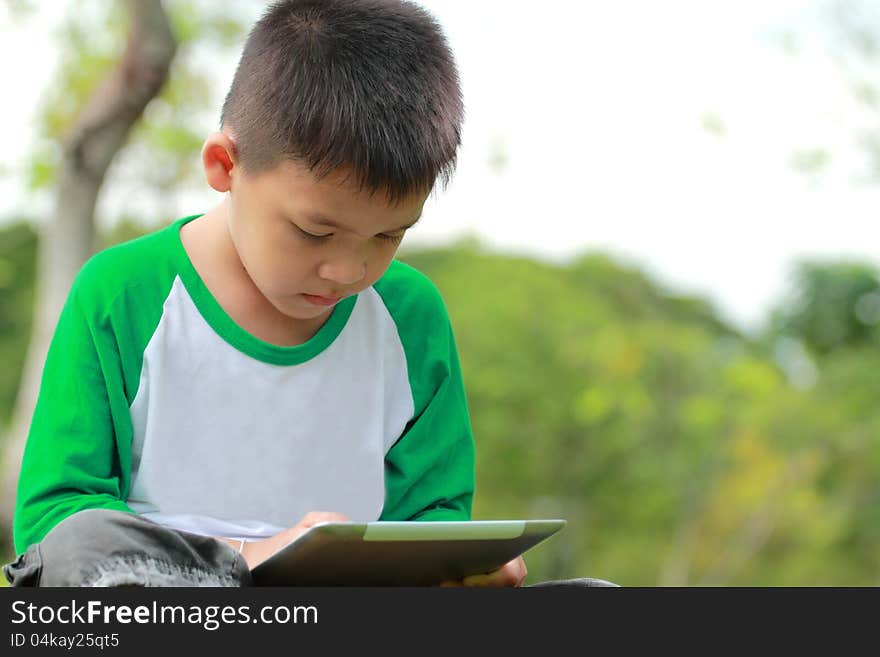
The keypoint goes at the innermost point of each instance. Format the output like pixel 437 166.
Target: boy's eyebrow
pixel 321 220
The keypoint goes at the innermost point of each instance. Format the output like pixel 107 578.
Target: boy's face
pixel 278 222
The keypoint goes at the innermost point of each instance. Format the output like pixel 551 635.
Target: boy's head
pixel 368 85
pixel 346 110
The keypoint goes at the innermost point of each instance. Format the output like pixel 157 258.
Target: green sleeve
pixel 71 459
pixel 78 451
pixel 429 471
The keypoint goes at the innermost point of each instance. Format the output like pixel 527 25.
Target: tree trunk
pixel 67 239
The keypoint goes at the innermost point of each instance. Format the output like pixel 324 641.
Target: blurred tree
pixel 834 305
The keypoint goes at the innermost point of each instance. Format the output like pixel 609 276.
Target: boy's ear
pixel 218 159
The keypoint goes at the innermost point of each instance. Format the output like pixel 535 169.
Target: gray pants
pixel 98 547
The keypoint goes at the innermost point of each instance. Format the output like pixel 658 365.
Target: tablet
pixel 408 553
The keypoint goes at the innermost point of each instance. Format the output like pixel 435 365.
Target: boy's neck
pixel 207 242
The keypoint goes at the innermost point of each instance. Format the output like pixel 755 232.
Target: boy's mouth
pixel 320 301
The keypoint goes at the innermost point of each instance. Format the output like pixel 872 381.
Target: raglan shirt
pixel 154 401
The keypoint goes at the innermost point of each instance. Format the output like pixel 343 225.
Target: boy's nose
pixel 343 271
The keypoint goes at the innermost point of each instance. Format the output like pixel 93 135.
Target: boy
pixel 216 387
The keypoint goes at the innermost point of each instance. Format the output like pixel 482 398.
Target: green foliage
pixel 835 305
pixel 18 247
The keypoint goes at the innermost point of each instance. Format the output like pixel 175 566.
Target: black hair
pixel 366 84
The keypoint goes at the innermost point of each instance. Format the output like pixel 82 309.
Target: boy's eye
pixel 312 236
pixel 318 238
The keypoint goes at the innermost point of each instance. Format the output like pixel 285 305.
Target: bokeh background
pixel 660 254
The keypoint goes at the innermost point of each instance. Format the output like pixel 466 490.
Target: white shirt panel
pixel 272 442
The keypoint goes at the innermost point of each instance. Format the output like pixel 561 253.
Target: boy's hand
pixel 513 573
pixel 255 552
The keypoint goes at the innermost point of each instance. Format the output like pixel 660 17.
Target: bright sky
pixel 599 109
